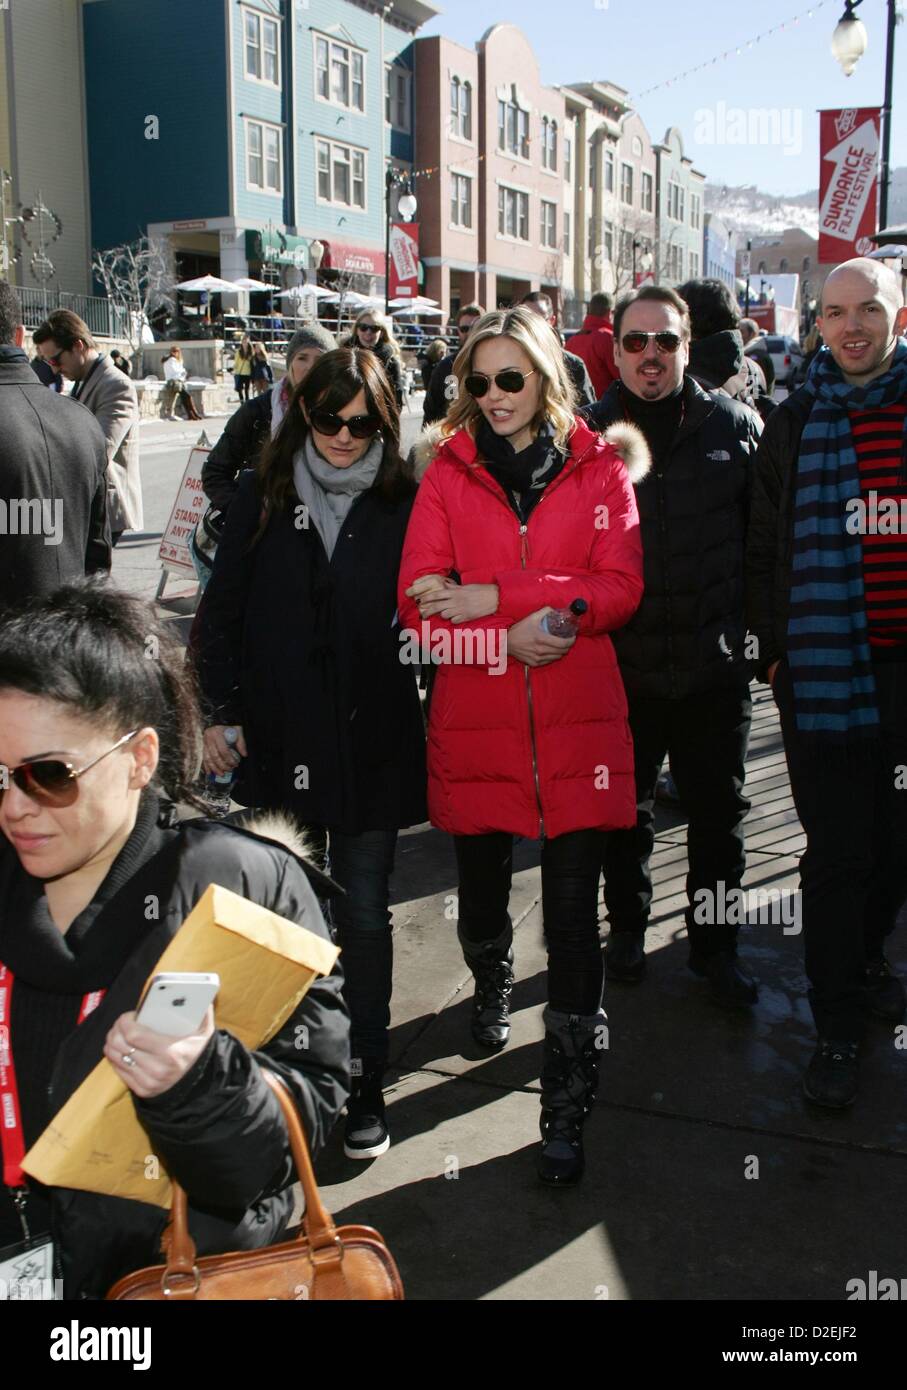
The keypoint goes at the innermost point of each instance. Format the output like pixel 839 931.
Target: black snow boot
pixel 492 966
pixel 570 1064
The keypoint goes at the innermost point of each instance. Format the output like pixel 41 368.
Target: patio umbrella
pixel 212 283
pixel 428 310
pixel 247 283
pixel 411 303
pixel 299 291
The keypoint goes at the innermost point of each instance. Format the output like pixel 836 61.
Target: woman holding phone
pixel 97 743
pixel 522 511
pixel 299 651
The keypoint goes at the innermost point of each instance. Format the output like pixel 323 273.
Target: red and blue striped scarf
pixel 827 636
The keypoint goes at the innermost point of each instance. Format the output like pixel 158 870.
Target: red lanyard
pixel 11 1136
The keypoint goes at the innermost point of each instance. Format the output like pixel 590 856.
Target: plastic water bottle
pixel 220 784
pixel 563 622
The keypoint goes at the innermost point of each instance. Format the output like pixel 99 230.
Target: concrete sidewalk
pixel 708 1175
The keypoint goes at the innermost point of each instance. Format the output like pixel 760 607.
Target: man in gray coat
pixel 53 476
pixel 65 341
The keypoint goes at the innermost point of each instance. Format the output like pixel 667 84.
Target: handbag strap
pixel 325 1245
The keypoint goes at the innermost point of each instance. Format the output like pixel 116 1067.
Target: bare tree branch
pixel 138 280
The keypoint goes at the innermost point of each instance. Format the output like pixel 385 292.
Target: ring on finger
pixel 129 1057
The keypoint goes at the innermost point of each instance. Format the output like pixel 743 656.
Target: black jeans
pixel 706 736
pixel 362 864
pixel 852 804
pixel 570 869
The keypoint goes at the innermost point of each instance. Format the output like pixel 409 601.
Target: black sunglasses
pixel 52 782
pixel 667 343
pixel 512 381
pixel 368 328
pixel 360 426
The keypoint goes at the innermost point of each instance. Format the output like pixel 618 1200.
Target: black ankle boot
pixel 625 957
pixel 570 1067
pixel 492 968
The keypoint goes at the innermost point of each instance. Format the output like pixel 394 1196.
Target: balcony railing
pixel 104 319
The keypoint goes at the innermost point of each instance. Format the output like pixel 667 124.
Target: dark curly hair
pixel 106 655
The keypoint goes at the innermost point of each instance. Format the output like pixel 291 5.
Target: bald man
pixel 827 600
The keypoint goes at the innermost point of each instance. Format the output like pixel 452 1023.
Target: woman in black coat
pixel 298 649
pixel 96 877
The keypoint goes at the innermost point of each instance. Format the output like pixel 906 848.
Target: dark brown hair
pixel 335 380
pixel 65 329
pixel 657 294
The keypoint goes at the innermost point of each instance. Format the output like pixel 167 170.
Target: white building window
pixel 549 224
pixel 647 193
pixel 397 96
pixel 261 48
pixel 609 171
pixel 694 265
pixel 461 108
pixel 264 157
pixel 676 201
pixel 339 74
pixel 513 129
pixel 626 184
pixel 549 143
pixel 568 158
pixel 460 200
pixel 340 174
pixel 566 234
pixel 695 211
pixel 513 213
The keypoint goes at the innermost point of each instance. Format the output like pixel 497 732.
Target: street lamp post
pixel 407 207
pixel 749 250
pixel 848 44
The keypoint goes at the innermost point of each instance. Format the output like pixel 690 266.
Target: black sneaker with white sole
pixel 365 1134
pixel 832 1075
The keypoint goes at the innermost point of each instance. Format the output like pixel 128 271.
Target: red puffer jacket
pixel 542 750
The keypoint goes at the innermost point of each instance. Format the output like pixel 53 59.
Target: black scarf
pixel 524 475
pixel 34 948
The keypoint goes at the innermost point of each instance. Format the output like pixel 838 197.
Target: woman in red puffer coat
pixel 524 511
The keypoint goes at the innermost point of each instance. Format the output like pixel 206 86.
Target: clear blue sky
pixel 639 43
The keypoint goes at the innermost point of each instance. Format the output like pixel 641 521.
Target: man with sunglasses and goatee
pixel 683 655
pixel 442 386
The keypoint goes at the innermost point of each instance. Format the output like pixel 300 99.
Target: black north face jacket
pixel 688 634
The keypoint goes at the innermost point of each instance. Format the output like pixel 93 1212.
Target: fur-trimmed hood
pixel 627 439
pixel 281 829
pixel 630 443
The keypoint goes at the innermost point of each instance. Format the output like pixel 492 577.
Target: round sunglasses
pixel 368 328
pixel 511 381
pixel 359 426
pixel 667 343
pixel 52 782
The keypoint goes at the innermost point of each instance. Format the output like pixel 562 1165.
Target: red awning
pixel 365 260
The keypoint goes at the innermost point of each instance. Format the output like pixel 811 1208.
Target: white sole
pixel 374 1152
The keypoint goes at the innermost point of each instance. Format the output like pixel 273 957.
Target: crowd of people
pixel 592 554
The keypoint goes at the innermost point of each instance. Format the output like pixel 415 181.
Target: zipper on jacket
pixel 535 762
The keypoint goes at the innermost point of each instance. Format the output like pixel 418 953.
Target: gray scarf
pixel 329 492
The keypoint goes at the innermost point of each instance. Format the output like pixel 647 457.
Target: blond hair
pixel 557 399
pixel 386 334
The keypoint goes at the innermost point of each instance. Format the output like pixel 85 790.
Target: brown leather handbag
pixel 324 1261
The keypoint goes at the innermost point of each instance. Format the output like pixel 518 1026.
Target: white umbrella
pixel 353 299
pixel 427 309
pixel 212 283
pixel 247 283
pixel 409 303
pixel 298 291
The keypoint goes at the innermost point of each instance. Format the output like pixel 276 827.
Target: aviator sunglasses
pixel 667 343
pixel 360 426
pixel 511 381
pixel 50 781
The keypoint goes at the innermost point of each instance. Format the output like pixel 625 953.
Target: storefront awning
pixel 364 260
pixel 277 247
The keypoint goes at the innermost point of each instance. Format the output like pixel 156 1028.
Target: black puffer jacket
pixel 688 634
pixel 245 435
pixel 219 1130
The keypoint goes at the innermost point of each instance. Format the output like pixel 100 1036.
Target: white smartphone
pixel 176 1002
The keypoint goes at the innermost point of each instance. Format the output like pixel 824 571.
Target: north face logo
pixel 719 455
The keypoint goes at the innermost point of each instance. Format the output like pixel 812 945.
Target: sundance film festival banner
pixel 848 181
pixel 404 267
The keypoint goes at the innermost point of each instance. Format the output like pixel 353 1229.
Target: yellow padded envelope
pixel 265 962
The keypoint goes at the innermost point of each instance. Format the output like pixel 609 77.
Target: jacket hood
pixel 716 358
pixel 630 443
pixel 281 829
pixel 625 438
